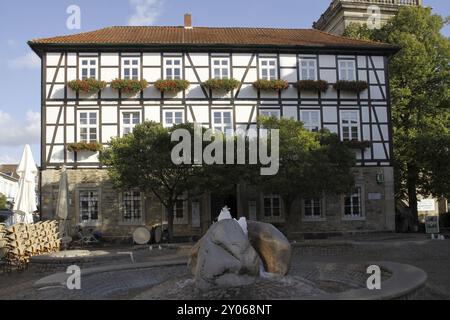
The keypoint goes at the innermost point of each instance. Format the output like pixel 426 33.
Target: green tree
pixel 143 160
pixel 2 201
pixel 307 161
pixel 419 79
pixel 359 31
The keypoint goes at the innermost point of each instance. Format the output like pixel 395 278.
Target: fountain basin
pixel 319 281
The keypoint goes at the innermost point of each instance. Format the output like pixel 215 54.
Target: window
pixel 222 121
pixel 308 69
pixel 270 113
pixel 88 206
pixel 88 127
pixel 178 209
pixel 312 208
pixel 172 117
pixel 132 206
pixel 352 204
pixel 272 206
pixel 221 68
pixel 130 68
pixel 88 68
pixel 349 125
pixel 347 70
pixel 311 120
pixel 172 68
pixel 180 212
pixel 268 69
pixel 129 121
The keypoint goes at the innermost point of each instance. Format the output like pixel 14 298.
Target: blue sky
pixel 22 20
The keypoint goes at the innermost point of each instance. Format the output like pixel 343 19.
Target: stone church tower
pixel 341 13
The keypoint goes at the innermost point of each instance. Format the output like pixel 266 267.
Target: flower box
pixel 222 84
pixel 268 85
pixel 172 85
pixel 353 86
pixel 84 146
pixel 312 85
pixel 356 144
pixel 129 86
pixel 87 85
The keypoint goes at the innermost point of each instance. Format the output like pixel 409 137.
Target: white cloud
pixel 146 12
pixel 17 133
pixel 28 61
pixel 6 159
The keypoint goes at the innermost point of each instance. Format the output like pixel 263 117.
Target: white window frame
pixel 89 221
pixel 134 63
pixel 268 64
pixel 270 113
pixel 223 70
pixel 130 125
pixel 172 111
pixel 310 125
pixel 311 71
pixel 89 67
pixel 141 219
pixel 313 217
pixel 172 66
pixel 345 71
pixel 88 126
pixel 350 125
pixel 360 193
pixel 226 129
pixel 272 217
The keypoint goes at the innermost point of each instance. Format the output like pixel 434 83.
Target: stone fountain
pixel 236 252
pixel 249 260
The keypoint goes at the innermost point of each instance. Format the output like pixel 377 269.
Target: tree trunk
pixel 412 195
pixel 169 210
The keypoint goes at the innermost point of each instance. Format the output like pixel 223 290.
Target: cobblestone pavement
pixel 183 288
pixel 431 256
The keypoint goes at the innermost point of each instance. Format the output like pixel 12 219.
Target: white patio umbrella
pixel 62 206
pixel 25 200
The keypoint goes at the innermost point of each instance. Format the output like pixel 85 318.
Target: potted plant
pixel 222 84
pixel 129 86
pixel 268 85
pixel 87 85
pixel 353 86
pixel 356 144
pixel 171 85
pixel 312 85
pixel 84 146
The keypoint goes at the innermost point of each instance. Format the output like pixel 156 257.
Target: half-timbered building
pixel 198 54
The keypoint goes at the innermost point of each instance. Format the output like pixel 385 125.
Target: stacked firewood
pixel 26 240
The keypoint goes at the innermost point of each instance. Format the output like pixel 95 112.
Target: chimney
pixel 187 21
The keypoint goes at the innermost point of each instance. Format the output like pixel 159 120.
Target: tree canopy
pixel 311 163
pixel 419 81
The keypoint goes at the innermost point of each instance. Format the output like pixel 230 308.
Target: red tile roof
pixel 198 36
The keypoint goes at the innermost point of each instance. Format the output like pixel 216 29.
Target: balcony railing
pixel 397 2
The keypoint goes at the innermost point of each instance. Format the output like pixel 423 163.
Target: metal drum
pixel 141 235
pixel 158 234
